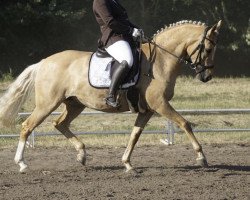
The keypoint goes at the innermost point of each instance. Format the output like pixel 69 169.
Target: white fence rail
pixel 170 129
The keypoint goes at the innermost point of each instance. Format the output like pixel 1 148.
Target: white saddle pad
pixel 99 73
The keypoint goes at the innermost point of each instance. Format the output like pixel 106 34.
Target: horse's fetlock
pixel 16 160
pixel 125 161
pixel 80 146
pixel 199 152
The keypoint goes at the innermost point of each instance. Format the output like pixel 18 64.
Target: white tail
pixel 15 96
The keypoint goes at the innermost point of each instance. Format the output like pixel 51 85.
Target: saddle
pixel 101 68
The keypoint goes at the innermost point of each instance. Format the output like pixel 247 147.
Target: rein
pixel 188 61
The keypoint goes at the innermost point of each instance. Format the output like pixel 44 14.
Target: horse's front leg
pixel 166 110
pixel 140 123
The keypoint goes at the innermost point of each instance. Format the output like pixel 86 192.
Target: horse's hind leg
pixel 73 109
pixel 36 118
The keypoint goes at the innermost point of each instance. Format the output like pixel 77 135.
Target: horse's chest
pixel 169 92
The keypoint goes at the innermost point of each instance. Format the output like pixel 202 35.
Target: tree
pixel 34 29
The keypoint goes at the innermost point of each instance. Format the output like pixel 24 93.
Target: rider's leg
pixel 121 51
pixel 117 78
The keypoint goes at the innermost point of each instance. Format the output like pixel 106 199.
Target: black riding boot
pixel 117 78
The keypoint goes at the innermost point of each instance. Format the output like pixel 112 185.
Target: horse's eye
pixel 208 51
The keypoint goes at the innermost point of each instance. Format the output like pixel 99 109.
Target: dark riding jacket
pixel 114 23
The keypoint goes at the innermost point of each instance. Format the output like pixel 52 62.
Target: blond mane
pixel 183 22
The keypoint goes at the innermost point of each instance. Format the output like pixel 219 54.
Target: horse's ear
pixel 218 26
pixel 215 28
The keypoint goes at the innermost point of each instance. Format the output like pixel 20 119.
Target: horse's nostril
pixel 208 78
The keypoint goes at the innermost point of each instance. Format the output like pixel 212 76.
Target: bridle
pixel 200 48
pixel 188 61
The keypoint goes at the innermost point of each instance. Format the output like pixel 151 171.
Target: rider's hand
pixel 137 33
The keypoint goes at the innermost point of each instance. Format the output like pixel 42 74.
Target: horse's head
pixel 201 52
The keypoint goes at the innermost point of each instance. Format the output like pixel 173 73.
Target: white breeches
pixel 121 51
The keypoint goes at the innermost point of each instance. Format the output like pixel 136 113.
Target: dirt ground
pixel 163 172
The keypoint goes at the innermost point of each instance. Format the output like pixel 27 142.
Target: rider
pixel 118 34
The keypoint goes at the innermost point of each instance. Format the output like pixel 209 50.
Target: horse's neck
pixel 183 34
pixel 174 40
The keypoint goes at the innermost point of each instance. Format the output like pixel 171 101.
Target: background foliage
pixel 34 29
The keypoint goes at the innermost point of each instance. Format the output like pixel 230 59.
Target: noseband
pixel 188 61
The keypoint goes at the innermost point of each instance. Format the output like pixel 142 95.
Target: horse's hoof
pixel 133 173
pixel 130 170
pixel 23 168
pixel 81 159
pixel 202 162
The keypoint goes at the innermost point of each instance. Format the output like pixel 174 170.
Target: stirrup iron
pixel 111 101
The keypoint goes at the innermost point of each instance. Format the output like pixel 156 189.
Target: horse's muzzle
pixel 204 77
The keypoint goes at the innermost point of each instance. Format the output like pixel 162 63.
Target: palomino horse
pixel 63 78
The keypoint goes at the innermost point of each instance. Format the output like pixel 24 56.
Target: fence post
pixel 170 134
pixel 31 140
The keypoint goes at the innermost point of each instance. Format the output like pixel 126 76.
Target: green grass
pixel 121 140
pixel 217 93
pixel 7 77
pixel 189 94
